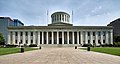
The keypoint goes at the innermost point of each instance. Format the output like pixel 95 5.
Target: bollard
pixel 39 47
pixel 75 47
pixel 88 48
pixel 22 49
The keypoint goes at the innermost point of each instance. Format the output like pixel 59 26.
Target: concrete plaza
pixel 59 56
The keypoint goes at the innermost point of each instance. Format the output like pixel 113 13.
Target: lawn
pixel 108 50
pixel 4 51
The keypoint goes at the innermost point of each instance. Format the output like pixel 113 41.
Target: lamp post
pixel 21 48
pixel 88 47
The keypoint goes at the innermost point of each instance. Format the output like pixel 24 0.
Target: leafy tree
pixel 117 41
pixel 116 38
pixel 2 41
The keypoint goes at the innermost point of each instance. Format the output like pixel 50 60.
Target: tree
pixel 117 41
pixel 2 40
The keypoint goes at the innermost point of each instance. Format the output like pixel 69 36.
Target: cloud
pixel 34 12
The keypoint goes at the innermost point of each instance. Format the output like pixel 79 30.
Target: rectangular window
pixel 26 33
pixel 15 33
pixel 88 33
pixel 93 33
pixel 93 41
pixel 31 41
pixel 103 33
pixel 26 41
pixel 98 33
pixel 21 33
pixel 20 41
pixel 103 41
pixel 15 41
pixel 31 33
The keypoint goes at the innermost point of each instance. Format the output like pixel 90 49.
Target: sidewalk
pixel 59 56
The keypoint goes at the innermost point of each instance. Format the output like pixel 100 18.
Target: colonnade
pixel 60 37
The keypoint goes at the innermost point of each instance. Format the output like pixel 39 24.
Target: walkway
pixel 59 56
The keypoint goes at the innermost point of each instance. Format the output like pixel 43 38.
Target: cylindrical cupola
pixel 58 17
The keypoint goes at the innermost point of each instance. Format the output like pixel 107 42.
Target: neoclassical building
pixel 60 33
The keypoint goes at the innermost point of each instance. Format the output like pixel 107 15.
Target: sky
pixel 85 12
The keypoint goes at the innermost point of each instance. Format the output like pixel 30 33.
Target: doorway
pixel 60 40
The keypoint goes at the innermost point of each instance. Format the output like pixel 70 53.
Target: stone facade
pixel 60 33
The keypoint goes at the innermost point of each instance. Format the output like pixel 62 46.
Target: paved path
pixel 59 56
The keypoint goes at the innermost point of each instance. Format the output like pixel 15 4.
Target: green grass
pixel 108 50
pixel 4 51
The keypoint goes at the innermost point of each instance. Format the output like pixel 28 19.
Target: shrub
pixel 86 45
pixel 10 46
pixel 33 45
pixel 107 45
pixel 116 44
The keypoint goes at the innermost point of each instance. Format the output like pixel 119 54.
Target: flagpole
pixel 47 16
pixel 72 16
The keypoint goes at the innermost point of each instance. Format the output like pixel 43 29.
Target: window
pixel 60 17
pixel 88 33
pixel 26 41
pixel 21 33
pixel 93 41
pixel 26 33
pixel 31 33
pixel 31 41
pixel 103 33
pixel 15 41
pixel 20 41
pixel 15 33
pixel 98 33
pixel 103 41
pixel 93 33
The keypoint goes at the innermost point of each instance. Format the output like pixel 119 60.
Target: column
pixel 73 37
pixel 9 40
pixel 111 37
pixel 96 38
pixel 101 36
pixel 63 37
pixel 106 37
pixel 34 39
pixel 13 37
pixel 68 37
pixel 52 37
pixel 23 38
pixel 29 39
pixel 38 38
pixel 18 38
pixel 57 37
pixel 42 37
pixel 78 37
pixel 86 39
pixel 81 37
pixel 64 18
pixel 47 37
pixel 91 37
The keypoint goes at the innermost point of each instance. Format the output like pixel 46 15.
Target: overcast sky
pixel 85 12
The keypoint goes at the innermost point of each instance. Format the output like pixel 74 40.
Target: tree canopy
pixel 2 41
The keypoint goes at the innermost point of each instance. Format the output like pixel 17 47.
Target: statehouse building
pixel 60 33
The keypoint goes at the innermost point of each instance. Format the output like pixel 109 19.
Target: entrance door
pixel 60 40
